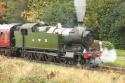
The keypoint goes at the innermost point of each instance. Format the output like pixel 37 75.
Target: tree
pixel 117 30
pixel 107 17
pixel 52 12
pixel 2 10
pixel 14 9
pixel 34 10
pixel 60 11
pixel 106 20
pixel 96 16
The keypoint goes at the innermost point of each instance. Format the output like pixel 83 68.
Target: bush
pixel 106 44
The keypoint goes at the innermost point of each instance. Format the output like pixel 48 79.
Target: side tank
pixel 77 35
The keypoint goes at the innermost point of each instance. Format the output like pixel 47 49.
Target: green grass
pixel 118 62
pixel 120 52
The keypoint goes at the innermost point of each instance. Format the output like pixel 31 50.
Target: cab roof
pixel 7 26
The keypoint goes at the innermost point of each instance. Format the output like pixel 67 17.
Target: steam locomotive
pixel 50 43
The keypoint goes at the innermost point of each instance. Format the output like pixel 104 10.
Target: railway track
pixel 101 67
pixel 117 69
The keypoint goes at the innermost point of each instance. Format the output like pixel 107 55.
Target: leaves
pixel 60 11
pixel 14 9
pixel 34 10
pixel 107 17
pixel 2 8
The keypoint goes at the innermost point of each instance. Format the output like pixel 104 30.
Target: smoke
pixel 108 55
pixel 80 7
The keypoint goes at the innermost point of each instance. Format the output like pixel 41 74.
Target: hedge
pixel 105 44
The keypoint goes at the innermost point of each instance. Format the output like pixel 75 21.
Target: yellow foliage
pixel 2 8
pixel 34 11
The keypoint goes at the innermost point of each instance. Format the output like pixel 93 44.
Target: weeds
pixel 22 71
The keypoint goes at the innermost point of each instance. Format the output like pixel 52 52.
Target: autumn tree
pixel 34 10
pixel 2 10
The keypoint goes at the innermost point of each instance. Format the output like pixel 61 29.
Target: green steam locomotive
pixel 50 43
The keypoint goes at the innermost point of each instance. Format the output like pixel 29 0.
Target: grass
pixel 22 71
pixel 118 62
pixel 120 55
pixel 120 52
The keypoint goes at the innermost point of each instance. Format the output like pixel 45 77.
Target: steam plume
pixel 80 6
pixel 108 55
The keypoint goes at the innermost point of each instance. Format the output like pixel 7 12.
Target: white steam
pixel 108 55
pixel 80 6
